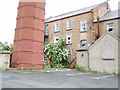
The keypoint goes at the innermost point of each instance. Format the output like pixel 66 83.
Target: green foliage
pixel 79 68
pixel 3 69
pixel 6 46
pixel 82 69
pixel 56 52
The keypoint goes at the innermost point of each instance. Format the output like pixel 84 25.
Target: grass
pixel 24 69
pixel 82 69
pixel 3 69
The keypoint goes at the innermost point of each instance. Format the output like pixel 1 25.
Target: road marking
pixel 27 72
pixel 48 71
pixel 77 74
pixel 102 77
pixel 58 70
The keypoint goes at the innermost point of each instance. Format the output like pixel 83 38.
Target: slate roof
pixel 110 15
pixel 72 13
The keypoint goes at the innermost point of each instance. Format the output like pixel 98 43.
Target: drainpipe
pixel 89 61
pixel 98 22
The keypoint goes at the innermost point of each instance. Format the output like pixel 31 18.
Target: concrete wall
pixel 103 55
pixel 4 59
pixel 82 59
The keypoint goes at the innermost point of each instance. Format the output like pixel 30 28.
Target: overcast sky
pixel 8 12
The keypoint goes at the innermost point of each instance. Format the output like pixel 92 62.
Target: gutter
pixel 98 22
pixel 89 61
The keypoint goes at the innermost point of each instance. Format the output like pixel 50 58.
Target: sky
pixel 8 12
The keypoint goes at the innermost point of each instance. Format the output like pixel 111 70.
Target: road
pixel 54 78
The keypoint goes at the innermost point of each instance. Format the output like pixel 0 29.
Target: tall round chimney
pixel 29 35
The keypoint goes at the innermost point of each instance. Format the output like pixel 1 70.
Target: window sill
pixel 69 29
pixel 68 44
pixel 57 31
pixel 83 31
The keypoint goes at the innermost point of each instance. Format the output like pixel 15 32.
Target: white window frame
pixel 69 24
pixel 82 43
pixel 46 30
pixel 69 53
pixel 83 25
pixel 57 27
pixel 109 27
pixel 69 41
pixel 46 41
pixel 55 38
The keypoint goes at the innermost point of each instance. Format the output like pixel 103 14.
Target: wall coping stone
pixel 5 52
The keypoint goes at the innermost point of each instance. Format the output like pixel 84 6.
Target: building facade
pixel 103 55
pixel 76 27
pixel 108 22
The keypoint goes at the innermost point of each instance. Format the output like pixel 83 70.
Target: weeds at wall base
pixel 82 69
pixel 4 69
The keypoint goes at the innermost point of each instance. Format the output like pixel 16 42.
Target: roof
pixel 117 38
pixel 110 15
pixel 72 13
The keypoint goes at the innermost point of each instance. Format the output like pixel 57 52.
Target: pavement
pixel 57 78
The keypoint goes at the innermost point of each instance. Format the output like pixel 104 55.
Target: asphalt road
pixel 64 78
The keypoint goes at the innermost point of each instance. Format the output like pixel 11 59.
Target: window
pixel 46 29
pixel 69 24
pixel 45 40
pixel 110 27
pixel 69 54
pixel 69 39
pixel 83 25
pixel 82 43
pixel 57 27
pixel 56 39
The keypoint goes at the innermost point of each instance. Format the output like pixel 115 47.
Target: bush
pixel 57 53
pixel 6 46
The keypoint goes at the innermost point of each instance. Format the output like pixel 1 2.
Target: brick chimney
pixel 29 35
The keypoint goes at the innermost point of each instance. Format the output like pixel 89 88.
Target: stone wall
pixel 4 59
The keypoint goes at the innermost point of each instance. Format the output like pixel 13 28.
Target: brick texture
pixel 29 36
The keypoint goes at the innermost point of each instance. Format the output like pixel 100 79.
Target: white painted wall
pixel 104 55
pixel 4 60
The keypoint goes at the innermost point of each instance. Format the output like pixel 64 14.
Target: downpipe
pixel 89 61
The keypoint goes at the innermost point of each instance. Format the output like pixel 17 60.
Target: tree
pixel 57 53
pixel 1 46
pixel 6 46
